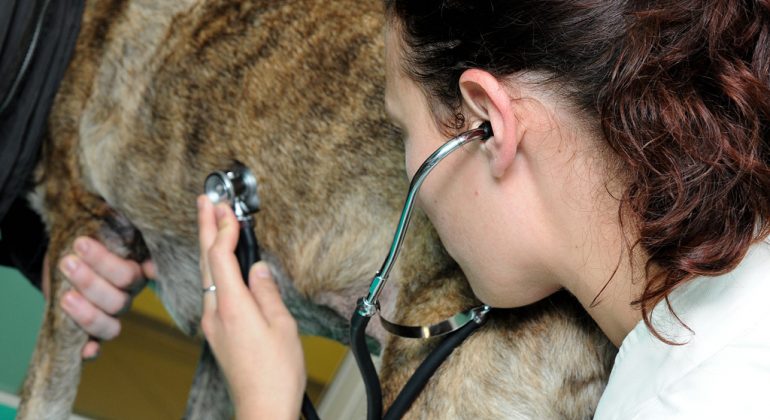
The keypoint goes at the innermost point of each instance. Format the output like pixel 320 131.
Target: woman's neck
pixel 599 265
pixel 596 263
pixel 608 301
pixel 593 256
pixel 563 171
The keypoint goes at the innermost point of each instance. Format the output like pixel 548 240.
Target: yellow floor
pixel 147 371
pixel 143 374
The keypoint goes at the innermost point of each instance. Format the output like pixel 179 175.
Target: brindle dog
pixel 162 92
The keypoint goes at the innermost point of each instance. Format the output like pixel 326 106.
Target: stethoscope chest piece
pixel 236 186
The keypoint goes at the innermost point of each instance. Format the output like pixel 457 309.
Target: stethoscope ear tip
pixel 487 127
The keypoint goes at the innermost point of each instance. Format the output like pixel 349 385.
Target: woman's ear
pixel 486 99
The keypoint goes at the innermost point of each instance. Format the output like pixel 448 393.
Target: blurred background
pixel 145 373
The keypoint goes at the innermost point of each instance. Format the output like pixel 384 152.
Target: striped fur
pixel 162 92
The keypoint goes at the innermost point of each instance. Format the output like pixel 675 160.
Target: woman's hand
pixel 103 287
pixel 252 334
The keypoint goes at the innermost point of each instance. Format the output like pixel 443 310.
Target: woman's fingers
pixel 257 360
pixel 90 350
pixel 149 270
pixel 103 285
pixel 267 295
pixel 93 321
pixel 223 264
pixel 219 228
pixel 122 273
pixel 103 293
pixel 207 233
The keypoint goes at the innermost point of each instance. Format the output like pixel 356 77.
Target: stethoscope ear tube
pixel 456 328
pixel 421 375
pixel 238 186
pixel 482 133
pixel 247 249
pixel 427 368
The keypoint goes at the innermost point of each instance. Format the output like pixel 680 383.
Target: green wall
pixel 21 312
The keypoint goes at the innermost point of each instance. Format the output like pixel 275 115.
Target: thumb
pixel 260 278
pixel 266 292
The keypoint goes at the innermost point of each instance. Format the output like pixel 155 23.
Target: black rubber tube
pixel 247 252
pixel 426 369
pixel 360 350
pixel 247 249
pixel 308 411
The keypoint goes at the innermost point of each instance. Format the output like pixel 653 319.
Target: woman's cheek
pixel 412 159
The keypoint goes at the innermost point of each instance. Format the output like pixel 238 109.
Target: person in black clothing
pixel 37 38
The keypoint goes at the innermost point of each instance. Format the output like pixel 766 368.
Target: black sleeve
pixel 23 241
pixel 37 38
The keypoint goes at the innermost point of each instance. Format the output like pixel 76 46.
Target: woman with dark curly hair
pixel 630 165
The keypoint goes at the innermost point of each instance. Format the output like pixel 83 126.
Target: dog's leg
pixel 50 387
pixel 54 373
pixel 51 383
pixel 208 397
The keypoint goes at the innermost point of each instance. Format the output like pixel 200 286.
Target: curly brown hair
pixel 681 90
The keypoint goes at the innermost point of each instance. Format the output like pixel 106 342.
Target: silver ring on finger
pixel 212 288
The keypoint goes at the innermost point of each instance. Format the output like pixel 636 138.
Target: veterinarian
pixel 630 165
pixel 37 38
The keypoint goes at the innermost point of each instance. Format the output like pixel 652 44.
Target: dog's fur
pixel 162 92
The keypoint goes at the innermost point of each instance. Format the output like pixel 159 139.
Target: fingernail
pixel 200 201
pixel 81 246
pixel 68 265
pixel 66 303
pixel 93 356
pixel 261 270
pixel 70 301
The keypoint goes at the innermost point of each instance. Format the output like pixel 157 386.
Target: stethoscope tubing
pixel 483 132
pixel 365 364
pixel 247 249
pixel 248 253
pixel 369 305
pixel 417 381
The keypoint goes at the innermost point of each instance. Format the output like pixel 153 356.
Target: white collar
pixel 716 309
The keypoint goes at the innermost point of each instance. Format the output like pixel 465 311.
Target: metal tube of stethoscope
pixel 367 305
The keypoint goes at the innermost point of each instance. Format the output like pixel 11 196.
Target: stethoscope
pixel 238 187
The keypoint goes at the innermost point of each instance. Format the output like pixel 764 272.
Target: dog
pixel 160 93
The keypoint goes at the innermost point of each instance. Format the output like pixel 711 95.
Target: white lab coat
pixel 723 369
